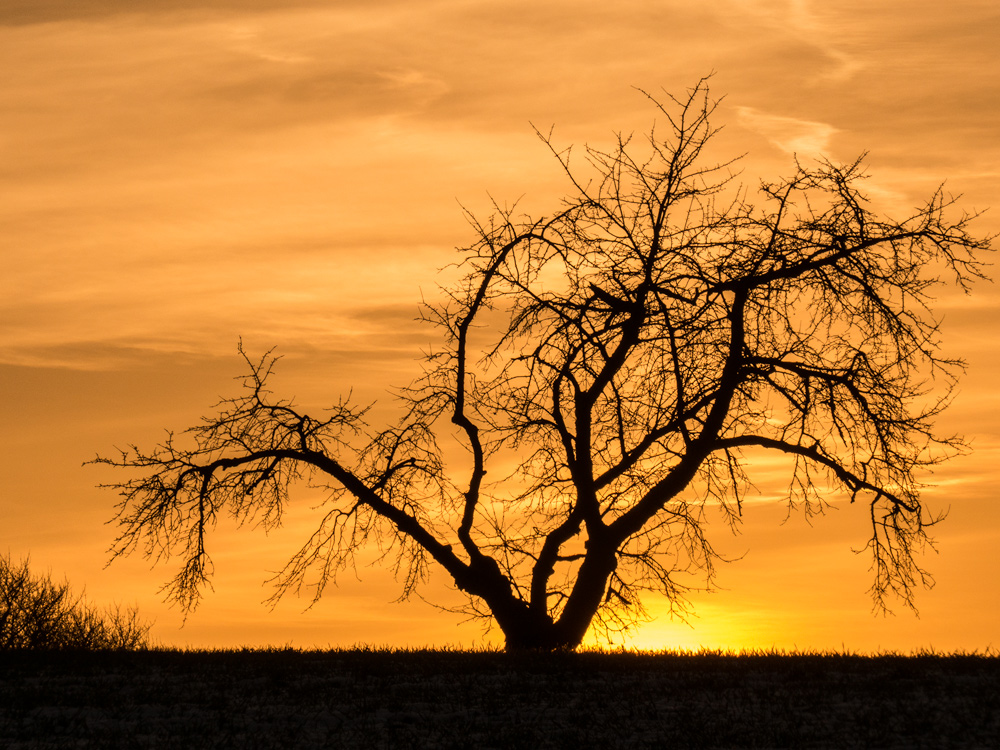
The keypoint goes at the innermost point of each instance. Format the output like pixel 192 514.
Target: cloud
pixel 793 136
pixel 140 149
pixel 29 12
pixel 815 25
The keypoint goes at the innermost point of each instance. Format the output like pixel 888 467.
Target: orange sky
pixel 290 172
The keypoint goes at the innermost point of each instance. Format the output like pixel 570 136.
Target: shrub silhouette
pixel 38 613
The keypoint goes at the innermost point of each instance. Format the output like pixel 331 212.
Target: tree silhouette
pixel 614 365
pixel 39 614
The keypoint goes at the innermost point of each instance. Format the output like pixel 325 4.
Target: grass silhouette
pixel 387 698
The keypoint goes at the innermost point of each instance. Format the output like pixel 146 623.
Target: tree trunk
pixel 525 629
pixel 536 636
pixel 588 592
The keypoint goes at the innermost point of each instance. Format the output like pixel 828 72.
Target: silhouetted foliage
pixel 39 614
pixel 613 366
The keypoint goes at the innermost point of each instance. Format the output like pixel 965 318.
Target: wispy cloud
pixel 32 12
pixel 793 136
pixel 809 23
pixel 247 40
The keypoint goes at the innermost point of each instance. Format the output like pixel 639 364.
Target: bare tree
pixel 613 364
pixel 36 613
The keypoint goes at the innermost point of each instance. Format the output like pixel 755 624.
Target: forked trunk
pixel 526 630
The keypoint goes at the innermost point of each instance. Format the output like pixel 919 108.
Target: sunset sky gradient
pixel 184 174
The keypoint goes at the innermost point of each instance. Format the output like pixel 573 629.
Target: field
pixel 451 699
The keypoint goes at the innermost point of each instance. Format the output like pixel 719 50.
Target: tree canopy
pixel 606 370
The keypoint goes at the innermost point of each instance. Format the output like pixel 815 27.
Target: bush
pixel 38 613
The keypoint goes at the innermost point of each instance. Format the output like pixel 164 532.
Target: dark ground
pixel 386 699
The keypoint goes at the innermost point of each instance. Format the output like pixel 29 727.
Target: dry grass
pixel 453 699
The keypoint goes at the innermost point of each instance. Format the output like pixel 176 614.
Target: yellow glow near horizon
pixel 177 178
